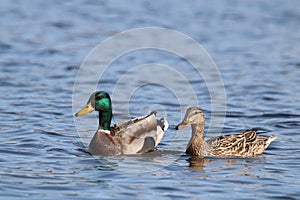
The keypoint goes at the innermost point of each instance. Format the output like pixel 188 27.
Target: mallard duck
pixel 245 144
pixel 137 135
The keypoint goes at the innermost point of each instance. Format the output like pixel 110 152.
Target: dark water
pixel 255 44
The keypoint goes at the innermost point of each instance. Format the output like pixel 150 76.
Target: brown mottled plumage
pixel 245 144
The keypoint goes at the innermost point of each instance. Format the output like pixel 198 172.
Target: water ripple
pixel 42 156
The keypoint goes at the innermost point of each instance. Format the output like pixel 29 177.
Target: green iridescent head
pixel 102 101
pixel 99 101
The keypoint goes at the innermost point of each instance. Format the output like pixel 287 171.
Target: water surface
pixel 256 46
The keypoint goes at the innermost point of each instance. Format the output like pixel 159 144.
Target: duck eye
pixel 98 98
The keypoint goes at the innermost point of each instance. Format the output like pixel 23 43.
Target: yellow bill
pixel 87 109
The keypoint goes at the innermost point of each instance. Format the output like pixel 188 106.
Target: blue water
pixel 43 154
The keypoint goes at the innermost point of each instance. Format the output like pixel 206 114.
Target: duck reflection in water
pixel 198 163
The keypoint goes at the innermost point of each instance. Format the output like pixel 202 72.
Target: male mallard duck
pixel 137 135
pixel 244 144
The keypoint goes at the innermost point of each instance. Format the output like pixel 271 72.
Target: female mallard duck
pixel 244 144
pixel 137 135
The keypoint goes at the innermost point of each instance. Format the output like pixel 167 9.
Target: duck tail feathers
pixel 163 124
